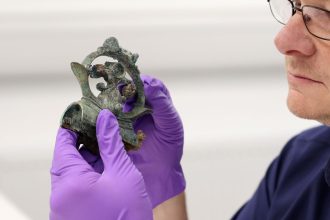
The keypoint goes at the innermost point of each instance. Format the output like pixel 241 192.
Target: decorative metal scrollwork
pixel 81 116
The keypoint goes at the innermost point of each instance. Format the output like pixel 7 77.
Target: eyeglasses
pixel 317 20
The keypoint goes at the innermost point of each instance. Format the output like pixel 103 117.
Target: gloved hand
pixel 80 193
pixel 159 157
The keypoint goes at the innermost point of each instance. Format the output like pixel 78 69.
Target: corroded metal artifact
pixel 81 116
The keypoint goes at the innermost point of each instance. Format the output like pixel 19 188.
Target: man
pixel 297 184
pixel 128 186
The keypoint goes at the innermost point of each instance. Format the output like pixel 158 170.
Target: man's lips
pixel 298 78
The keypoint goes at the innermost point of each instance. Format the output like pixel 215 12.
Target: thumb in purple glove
pixel 80 193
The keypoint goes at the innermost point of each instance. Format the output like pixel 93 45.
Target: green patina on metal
pixel 81 116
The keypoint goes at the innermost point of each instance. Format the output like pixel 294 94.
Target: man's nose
pixel 294 39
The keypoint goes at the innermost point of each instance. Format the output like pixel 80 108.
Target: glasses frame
pixel 301 9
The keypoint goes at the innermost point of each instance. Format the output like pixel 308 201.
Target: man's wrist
pixel 173 208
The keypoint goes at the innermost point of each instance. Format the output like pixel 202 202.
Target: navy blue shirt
pixel 297 183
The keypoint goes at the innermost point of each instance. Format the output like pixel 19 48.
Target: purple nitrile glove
pixel 78 192
pixel 159 157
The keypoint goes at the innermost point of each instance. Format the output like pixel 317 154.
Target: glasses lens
pixel 281 10
pixel 317 21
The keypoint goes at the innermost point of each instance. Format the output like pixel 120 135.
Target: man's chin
pixel 297 104
pixel 305 110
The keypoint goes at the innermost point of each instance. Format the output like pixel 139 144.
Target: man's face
pixel 308 67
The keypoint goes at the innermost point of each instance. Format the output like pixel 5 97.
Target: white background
pixel 217 58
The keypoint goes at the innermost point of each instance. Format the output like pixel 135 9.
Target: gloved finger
pixel 94 160
pixel 165 116
pixel 149 83
pixel 88 156
pixel 66 156
pixel 111 146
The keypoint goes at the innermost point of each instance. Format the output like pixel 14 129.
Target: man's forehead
pixel 311 1
pixel 320 3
